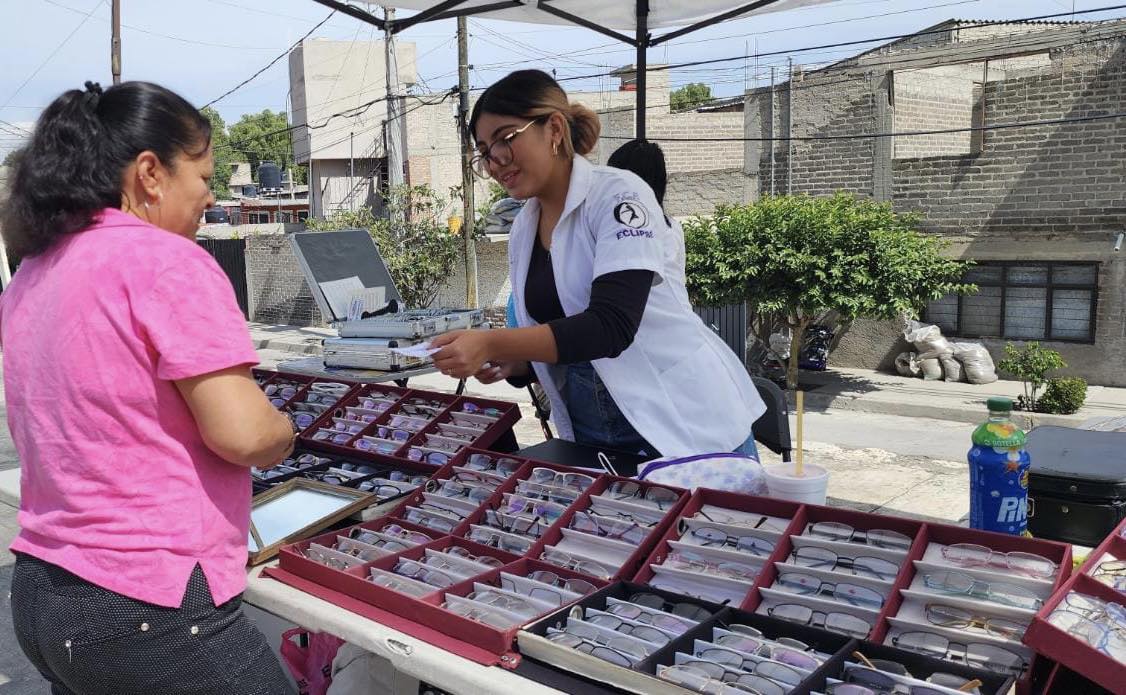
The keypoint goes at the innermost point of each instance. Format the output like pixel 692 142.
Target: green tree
pixel 221 151
pixel 794 259
pixel 419 252
pixel 690 96
pixel 264 137
pixel 1031 365
pixel 10 158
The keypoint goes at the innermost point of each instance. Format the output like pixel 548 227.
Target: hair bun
pixel 585 127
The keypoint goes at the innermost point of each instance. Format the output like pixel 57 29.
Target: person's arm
pixel 236 420
pixel 610 322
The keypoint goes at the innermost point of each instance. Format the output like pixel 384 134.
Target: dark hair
pixel 533 93
pixel 82 144
pixel 645 159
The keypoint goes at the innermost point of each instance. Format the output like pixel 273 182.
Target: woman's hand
pixel 463 353
pixel 492 373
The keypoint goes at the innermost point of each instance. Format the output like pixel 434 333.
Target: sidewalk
pixel 856 390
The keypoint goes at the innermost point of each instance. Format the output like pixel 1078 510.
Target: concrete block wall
pixel 277 290
pixel 925 100
pixel 492 278
pixel 699 192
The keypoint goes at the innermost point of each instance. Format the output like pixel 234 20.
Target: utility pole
pixel 468 209
pixel 789 125
pixel 394 137
pixel 115 43
pixel 351 170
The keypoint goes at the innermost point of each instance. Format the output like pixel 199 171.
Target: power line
pixel 904 134
pixel 271 63
pixel 52 55
pixel 894 37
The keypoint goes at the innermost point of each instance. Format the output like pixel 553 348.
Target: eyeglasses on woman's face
pixel 499 152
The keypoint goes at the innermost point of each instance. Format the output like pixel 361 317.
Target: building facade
pixel 1015 156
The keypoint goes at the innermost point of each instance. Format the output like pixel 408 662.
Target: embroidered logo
pixel 631 214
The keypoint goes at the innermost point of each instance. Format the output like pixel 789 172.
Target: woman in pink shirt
pixel 132 407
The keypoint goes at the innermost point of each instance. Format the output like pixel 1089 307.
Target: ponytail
pixel 82 144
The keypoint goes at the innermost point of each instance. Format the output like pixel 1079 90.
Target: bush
pixel 1063 396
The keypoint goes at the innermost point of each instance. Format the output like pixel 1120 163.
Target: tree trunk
pixel 795 352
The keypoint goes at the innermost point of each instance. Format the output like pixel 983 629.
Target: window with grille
pixel 1023 301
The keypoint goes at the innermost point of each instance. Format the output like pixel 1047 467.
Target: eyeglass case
pixel 1076 484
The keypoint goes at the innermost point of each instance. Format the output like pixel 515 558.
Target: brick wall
pixel 698 193
pixel 277 289
pixel 929 100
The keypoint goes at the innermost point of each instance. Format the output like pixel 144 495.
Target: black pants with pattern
pixel 87 640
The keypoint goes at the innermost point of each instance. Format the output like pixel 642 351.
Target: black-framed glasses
pixel 690 611
pixel 816 557
pixel 662 497
pixel 843 533
pixel 777 672
pixel 717 538
pixel 987 656
pixel 616 651
pixel 645 633
pixel 501 464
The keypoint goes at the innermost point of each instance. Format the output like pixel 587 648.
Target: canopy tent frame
pixel 641 41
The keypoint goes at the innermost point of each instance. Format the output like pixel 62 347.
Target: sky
pixel 203 48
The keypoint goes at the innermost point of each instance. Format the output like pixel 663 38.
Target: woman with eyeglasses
pixel 132 406
pixel 598 285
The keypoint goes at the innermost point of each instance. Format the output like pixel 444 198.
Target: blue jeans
pixel 597 421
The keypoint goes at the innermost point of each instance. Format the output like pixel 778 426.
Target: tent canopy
pixel 608 17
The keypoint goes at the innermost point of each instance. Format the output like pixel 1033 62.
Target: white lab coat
pixel 678 384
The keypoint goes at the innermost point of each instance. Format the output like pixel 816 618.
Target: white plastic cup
pixel 783 482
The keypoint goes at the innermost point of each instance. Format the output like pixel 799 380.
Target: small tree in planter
pixel 414 242
pixel 795 258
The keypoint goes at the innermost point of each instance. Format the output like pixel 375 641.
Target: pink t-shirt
pixel 117 485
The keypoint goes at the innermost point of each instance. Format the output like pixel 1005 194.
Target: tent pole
pixel 642 64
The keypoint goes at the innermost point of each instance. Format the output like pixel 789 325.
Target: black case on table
pixel 1076 484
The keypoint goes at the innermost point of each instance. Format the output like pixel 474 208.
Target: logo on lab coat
pixel 631 213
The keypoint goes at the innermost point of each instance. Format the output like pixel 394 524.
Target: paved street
pixel 901 465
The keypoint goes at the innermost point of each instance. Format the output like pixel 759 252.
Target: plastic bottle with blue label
pixel 999 473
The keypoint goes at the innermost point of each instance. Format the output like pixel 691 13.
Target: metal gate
pixel 730 322
pixel 231 256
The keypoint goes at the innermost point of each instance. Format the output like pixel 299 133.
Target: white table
pixel 408 654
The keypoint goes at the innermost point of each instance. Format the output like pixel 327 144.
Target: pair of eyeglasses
pixel 375 404
pixel 468 423
pixel 690 611
pixel 505 602
pixel 550 478
pixel 619 651
pixel 499 152
pixel 434 458
pixel 402 585
pixel 608 527
pixel 436 442
pixel 717 538
pixel 483 411
pixel 410 424
pixel 971 555
pixel 423 573
pixel 1100 634
pixel 710 677
pixel 275 472
pixel 645 633
pixel 501 540
pixel 564 496
pixel 779 673
pixel 662 497
pixel 484 462
pixel 1112 573
pixel 395 435
pixel 834 621
pixel 379 446
pixel 961 584
pixel 328 478
pixel 515 504
pixel 445 431
pixel 520 525
pixel 816 557
pixel 809 585
pixel 976 654
pixel 452 488
pixel 481 614
pixel 361 468
pixel 320 557
pixel 458 551
pixel 718 517
pixel 356 415
pixel 412 478
pixel 1110 612
pixel 328 435
pixel 418 411
pixel 944 615
pixel 284 390
pixel 302 419
pixel 791 656
pixel 571 562
pixel 348 426
pixel 681 559
pixel 433 517
pixel 650 616
pixel 843 533
pixel 577 586
pixel 877 674
pixel 380 489
pixel 393 530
